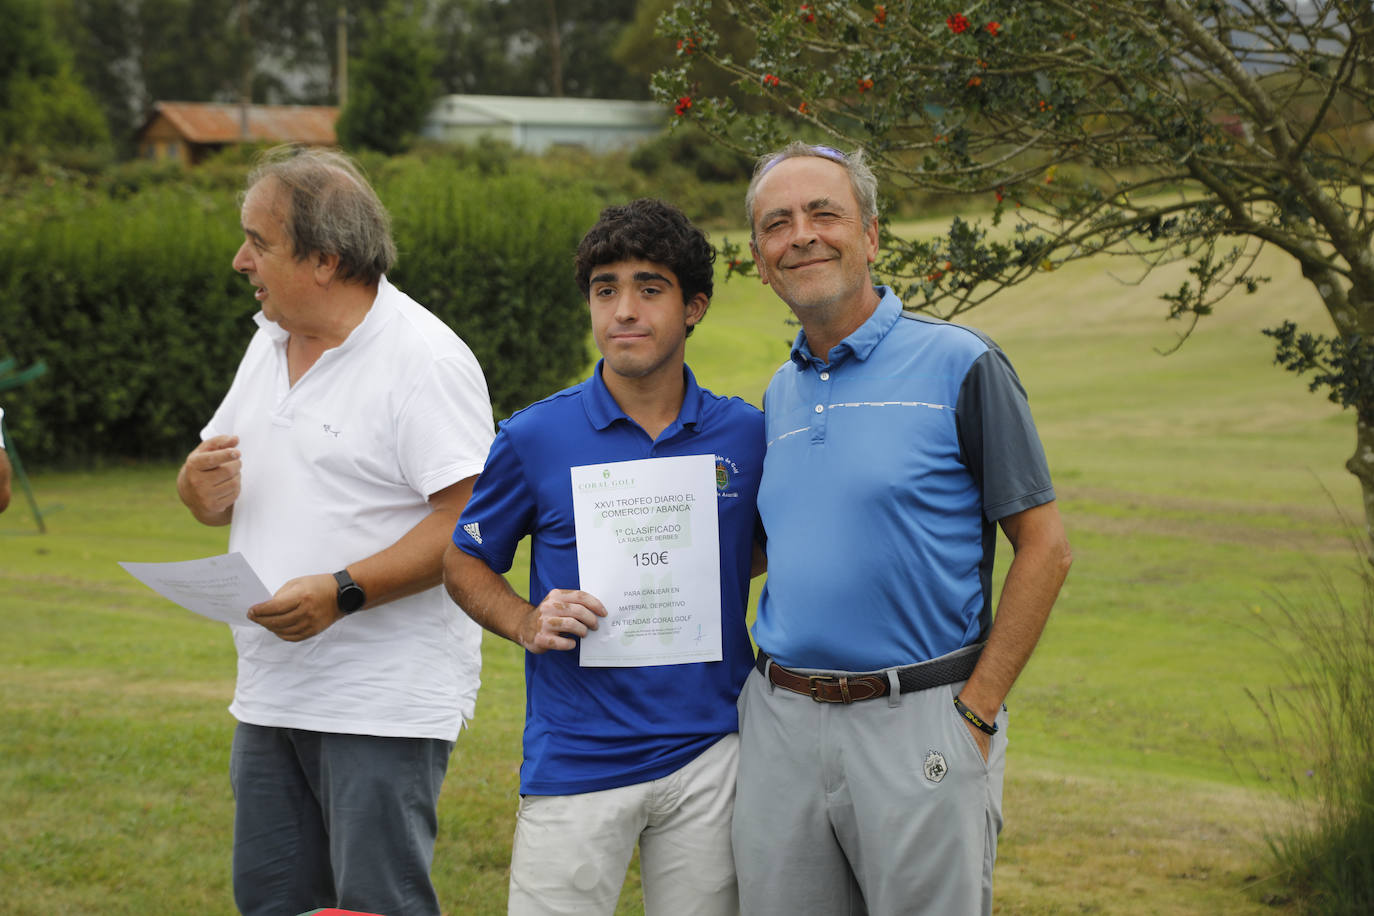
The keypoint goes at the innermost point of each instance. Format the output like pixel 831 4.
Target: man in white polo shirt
pixel 4 467
pixel 341 457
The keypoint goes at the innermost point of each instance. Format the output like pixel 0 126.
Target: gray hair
pixel 332 210
pixel 861 178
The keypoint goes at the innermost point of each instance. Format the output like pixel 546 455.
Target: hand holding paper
pixel 302 608
pixel 563 611
pixel 648 546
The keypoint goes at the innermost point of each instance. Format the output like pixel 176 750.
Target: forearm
pixel 1033 581
pixel 486 596
pixel 415 562
pixel 411 565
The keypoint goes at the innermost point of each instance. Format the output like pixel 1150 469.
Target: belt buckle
pixel 815 680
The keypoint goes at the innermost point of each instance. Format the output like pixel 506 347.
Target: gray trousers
pixel 333 820
pixel 883 807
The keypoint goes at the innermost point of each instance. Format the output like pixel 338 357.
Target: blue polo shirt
pixel 887 468
pixel 588 729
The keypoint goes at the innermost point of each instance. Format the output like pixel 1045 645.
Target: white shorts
pixel 571 851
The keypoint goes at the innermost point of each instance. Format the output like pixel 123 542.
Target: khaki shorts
pixel 571 851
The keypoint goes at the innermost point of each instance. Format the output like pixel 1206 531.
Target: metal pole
pixel 23 479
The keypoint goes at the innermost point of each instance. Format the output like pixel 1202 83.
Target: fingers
pixel 563 617
pixel 213 473
pixel 300 609
pixel 576 611
pixel 576 601
pixel 218 442
pixel 215 452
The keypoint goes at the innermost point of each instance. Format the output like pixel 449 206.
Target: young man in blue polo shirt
pixel 615 756
pixel 873 736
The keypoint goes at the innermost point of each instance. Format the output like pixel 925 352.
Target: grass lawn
pixel 1196 488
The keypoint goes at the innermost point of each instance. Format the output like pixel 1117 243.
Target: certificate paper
pixel 648 547
pixel 221 588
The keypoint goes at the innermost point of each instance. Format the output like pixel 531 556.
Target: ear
pixel 871 240
pixel 696 309
pixel 758 263
pixel 326 265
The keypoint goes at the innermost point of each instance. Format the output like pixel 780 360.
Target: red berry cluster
pixel 958 23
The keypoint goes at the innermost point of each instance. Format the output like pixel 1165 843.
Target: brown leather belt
pixel 850 688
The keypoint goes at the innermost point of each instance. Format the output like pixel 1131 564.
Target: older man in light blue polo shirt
pixel 873 733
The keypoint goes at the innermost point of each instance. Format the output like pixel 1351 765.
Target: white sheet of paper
pixel 648 546
pixel 221 588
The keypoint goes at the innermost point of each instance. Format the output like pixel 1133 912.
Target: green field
pixel 1196 488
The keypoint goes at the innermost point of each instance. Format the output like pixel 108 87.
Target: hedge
pixel 134 306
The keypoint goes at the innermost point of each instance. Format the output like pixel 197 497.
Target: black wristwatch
pixel 351 595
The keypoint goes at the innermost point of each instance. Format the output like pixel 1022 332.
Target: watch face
pixel 351 595
pixel 351 598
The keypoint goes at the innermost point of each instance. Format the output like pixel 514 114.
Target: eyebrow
pixel 820 203
pixel 641 276
pixel 255 236
pixel 822 152
pixel 823 203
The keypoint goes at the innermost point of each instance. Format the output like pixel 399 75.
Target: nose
pixel 626 308
pixel 803 232
pixel 242 262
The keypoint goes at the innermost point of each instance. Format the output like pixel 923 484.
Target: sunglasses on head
pixel 825 152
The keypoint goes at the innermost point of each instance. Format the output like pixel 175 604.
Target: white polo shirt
pixel 335 469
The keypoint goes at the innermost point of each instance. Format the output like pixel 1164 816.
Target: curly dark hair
pixel 648 230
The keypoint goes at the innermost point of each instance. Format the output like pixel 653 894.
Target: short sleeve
pixel 256 358
pixel 998 439
pixel 445 428
pixel 501 510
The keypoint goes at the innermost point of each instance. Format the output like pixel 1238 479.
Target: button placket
pixel 821 411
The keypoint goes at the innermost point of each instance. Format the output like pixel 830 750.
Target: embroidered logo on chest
pixel 726 472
